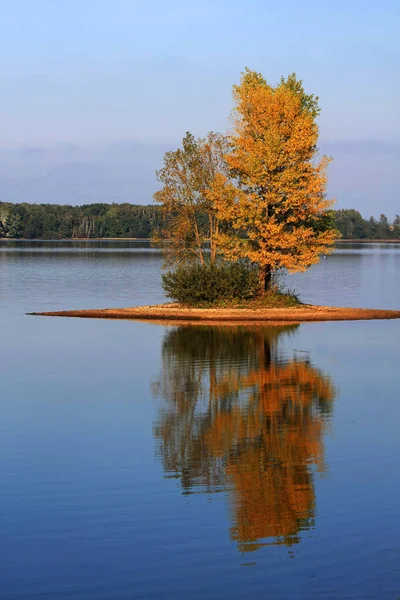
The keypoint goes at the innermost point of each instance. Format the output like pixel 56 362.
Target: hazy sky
pixel 79 75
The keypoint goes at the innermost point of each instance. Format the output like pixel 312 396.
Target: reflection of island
pixel 237 415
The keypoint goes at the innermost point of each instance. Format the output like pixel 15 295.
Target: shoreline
pixel 76 239
pixel 132 239
pixel 367 241
pixel 170 313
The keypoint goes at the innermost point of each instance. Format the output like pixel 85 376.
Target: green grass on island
pixel 274 298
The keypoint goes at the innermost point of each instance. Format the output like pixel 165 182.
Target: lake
pixel 142 461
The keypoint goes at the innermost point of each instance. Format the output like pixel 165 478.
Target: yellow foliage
pixel 274 200
pixel 190 220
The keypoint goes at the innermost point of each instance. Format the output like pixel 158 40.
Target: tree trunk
pixel 265 278
pixel 213 234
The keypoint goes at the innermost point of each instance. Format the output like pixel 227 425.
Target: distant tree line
pixel 351 225
pixel 55 221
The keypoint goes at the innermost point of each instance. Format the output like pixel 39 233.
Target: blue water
pixel 141 461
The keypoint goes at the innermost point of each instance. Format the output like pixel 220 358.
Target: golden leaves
pixel 277 196
pixel 259 194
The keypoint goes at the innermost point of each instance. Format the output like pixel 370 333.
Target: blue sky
pixel 114 74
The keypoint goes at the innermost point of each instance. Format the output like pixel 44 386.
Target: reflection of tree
pixel 238 415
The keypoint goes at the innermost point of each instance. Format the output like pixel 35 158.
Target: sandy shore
pixel 164 313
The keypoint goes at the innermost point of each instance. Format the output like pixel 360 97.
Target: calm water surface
pixel 139 461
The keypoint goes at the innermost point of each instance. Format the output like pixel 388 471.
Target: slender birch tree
pixel 191 221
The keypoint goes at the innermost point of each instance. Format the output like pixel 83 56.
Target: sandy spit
pixel 164 313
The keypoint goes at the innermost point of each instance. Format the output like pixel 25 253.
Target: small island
pixel 239 208
pixel 169 313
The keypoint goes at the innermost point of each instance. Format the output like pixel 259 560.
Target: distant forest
pixel 55 221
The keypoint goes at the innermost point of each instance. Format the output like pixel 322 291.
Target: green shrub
pixel 203 285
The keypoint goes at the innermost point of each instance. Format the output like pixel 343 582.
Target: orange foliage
pixel 277 197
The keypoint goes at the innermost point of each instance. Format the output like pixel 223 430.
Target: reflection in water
pixel 238 415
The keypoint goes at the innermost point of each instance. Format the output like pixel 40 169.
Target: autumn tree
pixel 190 220
pixel 275 197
